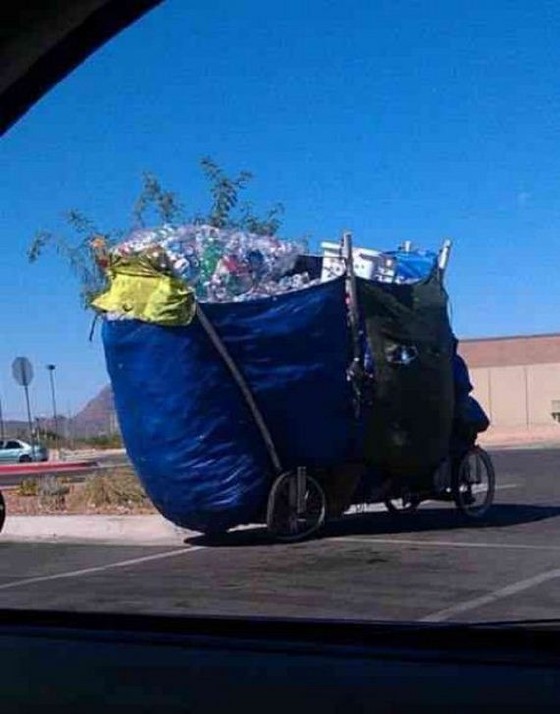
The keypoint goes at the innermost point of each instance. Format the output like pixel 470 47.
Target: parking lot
pixel 425 566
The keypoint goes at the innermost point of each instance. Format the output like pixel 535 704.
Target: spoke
pixel 293 524
pixel 478 469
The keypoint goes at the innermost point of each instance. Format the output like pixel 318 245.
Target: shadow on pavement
pixel 439 519
pixel 424 520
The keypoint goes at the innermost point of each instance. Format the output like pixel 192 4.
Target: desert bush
pixel 52 493
pixel 114 487
pixel 28 487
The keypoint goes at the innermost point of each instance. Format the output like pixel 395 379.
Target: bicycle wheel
pixel 474 483
pixel 285 521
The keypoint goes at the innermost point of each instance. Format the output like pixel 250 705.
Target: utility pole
pixel 51 368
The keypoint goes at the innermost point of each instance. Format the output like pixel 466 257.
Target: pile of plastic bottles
pixel 220 265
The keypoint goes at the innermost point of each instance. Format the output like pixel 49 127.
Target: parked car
pixel 16 451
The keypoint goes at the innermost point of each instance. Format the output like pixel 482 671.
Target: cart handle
pixel 355 370
pixel 243 386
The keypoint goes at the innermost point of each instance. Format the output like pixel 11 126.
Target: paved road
pixel 427 566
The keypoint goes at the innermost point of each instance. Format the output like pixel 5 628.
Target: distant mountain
pixel 97 417
pixel 18 429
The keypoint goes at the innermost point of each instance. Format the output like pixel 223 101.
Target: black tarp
pixel 408 428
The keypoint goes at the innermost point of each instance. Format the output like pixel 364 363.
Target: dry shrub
pixel 52 493
pixel 28 487
pixel 113 487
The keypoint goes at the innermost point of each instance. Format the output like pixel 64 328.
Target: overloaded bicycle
pixel 287 410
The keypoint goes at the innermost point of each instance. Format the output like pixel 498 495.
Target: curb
pixel 113 530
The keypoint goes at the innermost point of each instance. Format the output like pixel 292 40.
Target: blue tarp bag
pixel 187 427
pixel 413 266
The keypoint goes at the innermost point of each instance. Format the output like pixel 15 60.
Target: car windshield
pixel 281 343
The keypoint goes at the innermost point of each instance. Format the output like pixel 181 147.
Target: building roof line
pixel 510 337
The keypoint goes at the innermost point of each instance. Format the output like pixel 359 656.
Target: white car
pixel 16 451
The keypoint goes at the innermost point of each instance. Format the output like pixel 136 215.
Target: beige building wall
pixel 544 388
pixel 480 379
pixel 517 395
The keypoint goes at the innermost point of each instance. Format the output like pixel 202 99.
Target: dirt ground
pixel 17 505
pixel 117 492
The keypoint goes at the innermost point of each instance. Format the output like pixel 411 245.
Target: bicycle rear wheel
pixel 289 521
pixel 474 484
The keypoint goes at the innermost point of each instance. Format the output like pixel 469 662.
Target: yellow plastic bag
pixel 139 290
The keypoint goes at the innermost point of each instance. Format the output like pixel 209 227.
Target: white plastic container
pixel 333 264
pixel 369 264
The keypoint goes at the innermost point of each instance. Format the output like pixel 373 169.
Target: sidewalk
pixel 544 436
pixel 118 530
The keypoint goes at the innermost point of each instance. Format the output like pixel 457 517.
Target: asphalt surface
pixel 425 566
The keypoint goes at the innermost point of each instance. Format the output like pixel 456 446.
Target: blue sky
pixel 398 120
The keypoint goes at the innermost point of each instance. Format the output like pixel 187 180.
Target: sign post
pixel 22 370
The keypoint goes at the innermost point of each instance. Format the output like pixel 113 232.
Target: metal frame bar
pixel 301 489
pixel 443 255
pixel 355 370
pixel 243 386
pixel 347 254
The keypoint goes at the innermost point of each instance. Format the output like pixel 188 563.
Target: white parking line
pixel 475 603
pixel 100 568
pixel 442 543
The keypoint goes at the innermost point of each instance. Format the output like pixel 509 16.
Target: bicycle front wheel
pixel 474 484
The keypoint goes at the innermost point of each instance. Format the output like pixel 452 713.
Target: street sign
pixel 22 369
